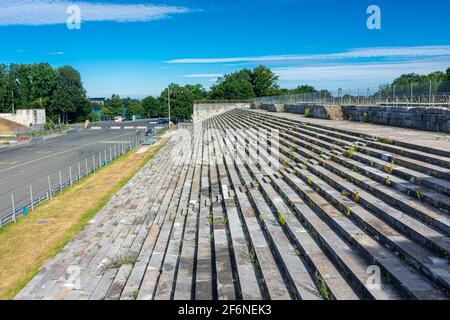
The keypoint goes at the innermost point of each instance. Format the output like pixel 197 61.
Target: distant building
pixel 100 101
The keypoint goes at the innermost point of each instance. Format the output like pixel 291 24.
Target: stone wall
pixel 331 112
pixel 430 119
pixel 35 117
pixel 203 111
pixel 273 107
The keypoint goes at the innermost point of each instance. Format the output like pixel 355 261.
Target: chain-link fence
pixel 430 94
pixel 22 200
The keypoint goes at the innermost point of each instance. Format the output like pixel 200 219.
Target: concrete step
pixel 425 290
pixel 246 205
pixel 427 214
pixel 430 176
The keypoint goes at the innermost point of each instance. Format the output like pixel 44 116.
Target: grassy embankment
pixel 27 244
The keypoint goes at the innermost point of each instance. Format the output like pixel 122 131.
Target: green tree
pixel 264 81
pixel 181 100
pixel 445 85
pixel 152 106
pixel 303 89
pixel 436 76
pixel 234 86
pixel 43 80
pixel 407 79
pixel 68 100
pixel 115 106
pixel 19 86
pixel 4 100
pixel 135 108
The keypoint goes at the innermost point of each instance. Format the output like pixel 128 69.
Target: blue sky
pixel 135 48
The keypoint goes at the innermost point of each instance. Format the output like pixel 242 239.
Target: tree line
pixel 244 84
pixel 60 92
pixel 438 82
pixel 39 86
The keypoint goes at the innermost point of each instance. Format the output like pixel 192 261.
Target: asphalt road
pixel 124 124
pixel 33 164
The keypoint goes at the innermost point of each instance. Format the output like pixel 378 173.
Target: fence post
pixel 99 159
pixel 50 192
pixel 110 154
pixel 393 96
pixel 70 175
pixel 104 158
pixel 79 171
pixel 93 163
pixel 31 197
pixel 429 94
pixel 87 167
pixel 13 207
pixel 60 182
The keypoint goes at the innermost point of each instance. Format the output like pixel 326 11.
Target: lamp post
pixel 12 97
pixel 168 99
pixel 12 94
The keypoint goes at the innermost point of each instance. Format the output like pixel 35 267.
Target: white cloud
pixel 48 12
pixel 424 51
pixel 358 74
pixel 203 75
pixel 58 53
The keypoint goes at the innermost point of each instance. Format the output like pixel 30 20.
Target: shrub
pixel 308 113
pixel 365 117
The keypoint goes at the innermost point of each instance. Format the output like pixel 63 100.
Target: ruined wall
pixel 430 119
pixel 331 112
pixel 273 107
pixel 422 118
pixel 203 111
pixel 35 117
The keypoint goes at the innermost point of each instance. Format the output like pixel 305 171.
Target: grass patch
pixel 162 132
pixel 308 113
pixel 27 244
pixel 419 195
pixel 388 181
pixel 351 150
pixel 119 262
pixel 76 124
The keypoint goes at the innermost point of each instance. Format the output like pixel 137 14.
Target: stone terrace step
pixel 249 205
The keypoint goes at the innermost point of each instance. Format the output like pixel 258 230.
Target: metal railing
pixel 432 94
pixel 82 169
pixel 221 101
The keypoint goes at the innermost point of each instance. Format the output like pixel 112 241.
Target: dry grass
pixel 26 245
